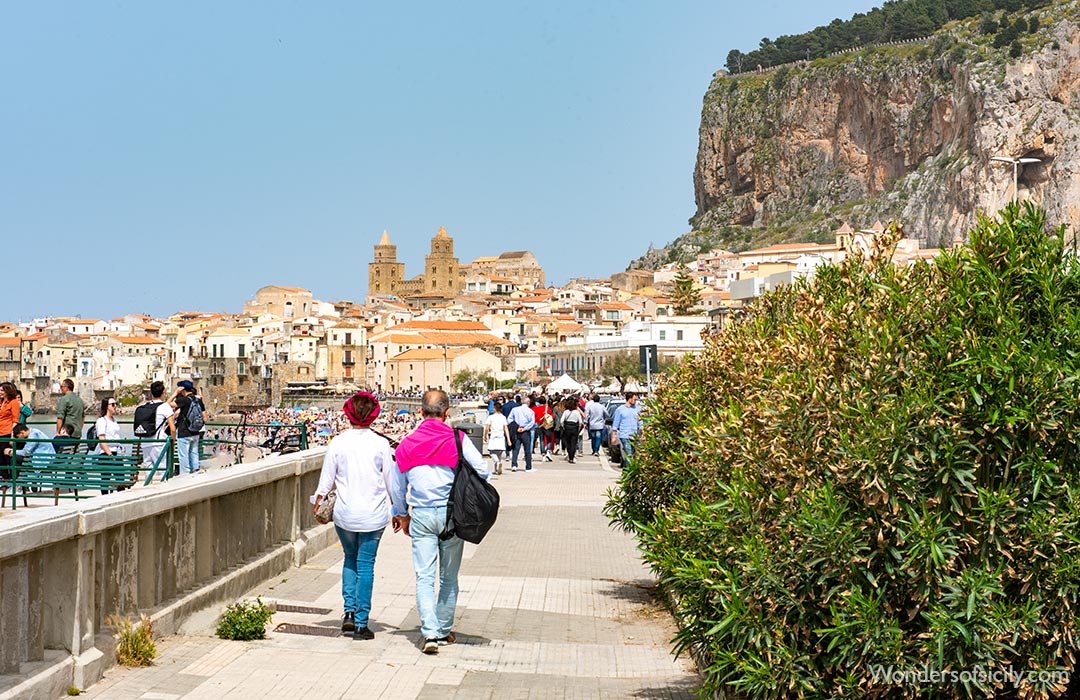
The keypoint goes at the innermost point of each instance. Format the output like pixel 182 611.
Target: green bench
pixel 48 475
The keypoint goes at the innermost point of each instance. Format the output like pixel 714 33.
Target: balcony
pixel 348 363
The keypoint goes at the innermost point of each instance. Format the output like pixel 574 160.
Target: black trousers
pixel 571 431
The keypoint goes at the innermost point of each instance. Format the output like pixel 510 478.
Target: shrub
pixel 135 643
pixel 876 467
pixel 1015 49
pixel 244 620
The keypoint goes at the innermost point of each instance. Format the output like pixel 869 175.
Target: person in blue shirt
pixel 426 464
pixel 522 423
pixel 625 425
pixel 21 431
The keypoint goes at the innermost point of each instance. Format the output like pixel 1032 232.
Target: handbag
pixel 325 512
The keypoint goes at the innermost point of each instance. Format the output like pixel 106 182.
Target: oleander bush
pixel 877 468
pixel 244 620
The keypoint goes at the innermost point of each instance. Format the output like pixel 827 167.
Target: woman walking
pixel 358 465
pixel 572 420
pixel 496 437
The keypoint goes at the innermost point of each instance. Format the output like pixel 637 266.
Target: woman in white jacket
pixel 358 465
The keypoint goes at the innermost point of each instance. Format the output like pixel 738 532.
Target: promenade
pixel 554 604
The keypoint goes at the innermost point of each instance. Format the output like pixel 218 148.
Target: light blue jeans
pixel 358 573
pixel 627 445
pixel 189 454
pixel 436 616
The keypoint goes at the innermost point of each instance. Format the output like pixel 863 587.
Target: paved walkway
pixel 553 604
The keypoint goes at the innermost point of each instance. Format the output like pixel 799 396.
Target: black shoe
pixel 348 623
pixel 363 633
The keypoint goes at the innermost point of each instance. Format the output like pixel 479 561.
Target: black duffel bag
pixel 473 505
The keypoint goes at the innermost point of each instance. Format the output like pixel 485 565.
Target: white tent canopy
pixel 565 383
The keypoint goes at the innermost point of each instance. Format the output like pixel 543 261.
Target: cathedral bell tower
pixel 441 267
pixel 385 273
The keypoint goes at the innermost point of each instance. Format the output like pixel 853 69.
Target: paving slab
pixel 554 604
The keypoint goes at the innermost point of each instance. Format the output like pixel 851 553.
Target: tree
pixel 623 368
pixel 685 296
pixel 469 381
pixel 1015 49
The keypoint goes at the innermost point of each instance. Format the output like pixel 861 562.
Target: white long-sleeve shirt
pixel 359 462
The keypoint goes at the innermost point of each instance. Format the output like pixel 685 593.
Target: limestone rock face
pixel 894 134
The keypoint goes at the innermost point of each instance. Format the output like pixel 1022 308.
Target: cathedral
pixel 386 276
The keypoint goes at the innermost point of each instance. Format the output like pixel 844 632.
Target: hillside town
pixel 494 319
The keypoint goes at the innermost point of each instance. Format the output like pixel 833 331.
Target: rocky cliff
pixel 902 132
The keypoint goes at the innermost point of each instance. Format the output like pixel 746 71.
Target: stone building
pixel 284 302
pixel 386 276
pixel 520 266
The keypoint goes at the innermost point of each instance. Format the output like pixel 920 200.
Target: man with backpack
pixel 427 461
pixel 186 424
pixel 151 423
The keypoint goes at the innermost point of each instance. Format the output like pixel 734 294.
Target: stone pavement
pixel 553 604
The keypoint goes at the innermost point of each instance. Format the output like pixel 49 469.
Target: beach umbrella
pixel 402 412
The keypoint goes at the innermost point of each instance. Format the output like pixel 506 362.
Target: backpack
pixel 194 416
pixel 473 505
pixel 91 438
pixel 548 421
pixel 146 420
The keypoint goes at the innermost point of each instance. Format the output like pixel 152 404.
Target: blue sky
pixel 157 157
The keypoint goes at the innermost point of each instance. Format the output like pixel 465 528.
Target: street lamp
pixel 1016 162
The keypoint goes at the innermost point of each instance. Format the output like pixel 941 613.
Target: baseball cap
pixel 186 385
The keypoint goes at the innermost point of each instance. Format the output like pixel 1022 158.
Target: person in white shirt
pixel 152 450
pixel 496 437
pixel 108 428
pixel 360 466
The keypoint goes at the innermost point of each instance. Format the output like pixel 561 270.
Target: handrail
pixel 166 450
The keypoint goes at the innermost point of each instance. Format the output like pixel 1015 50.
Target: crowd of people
pixel 374 481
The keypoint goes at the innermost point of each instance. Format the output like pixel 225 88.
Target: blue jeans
pixel 627 445
pixel 594 437
pixel 436 616
pixel 358 574
pixel 524 441
pixel 189 454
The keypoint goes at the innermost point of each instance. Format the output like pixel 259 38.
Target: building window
pixel 240 368
pixel 663 335
pixel 348 338
pixel 240 350
pixel 678 335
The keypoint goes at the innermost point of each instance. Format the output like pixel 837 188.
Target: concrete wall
pixel 167 550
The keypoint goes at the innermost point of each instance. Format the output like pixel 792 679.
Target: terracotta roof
pixel 11 342
pixel 139 340
pixel 515 254
pixel 300 290
pixel 431 354
pixel 791 248
pixel 616 305
pixel 845 229
pixel 443 326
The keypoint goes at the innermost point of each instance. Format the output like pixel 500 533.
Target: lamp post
pixel 1016 162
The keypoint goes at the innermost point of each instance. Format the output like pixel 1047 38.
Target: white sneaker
pixel 547 456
